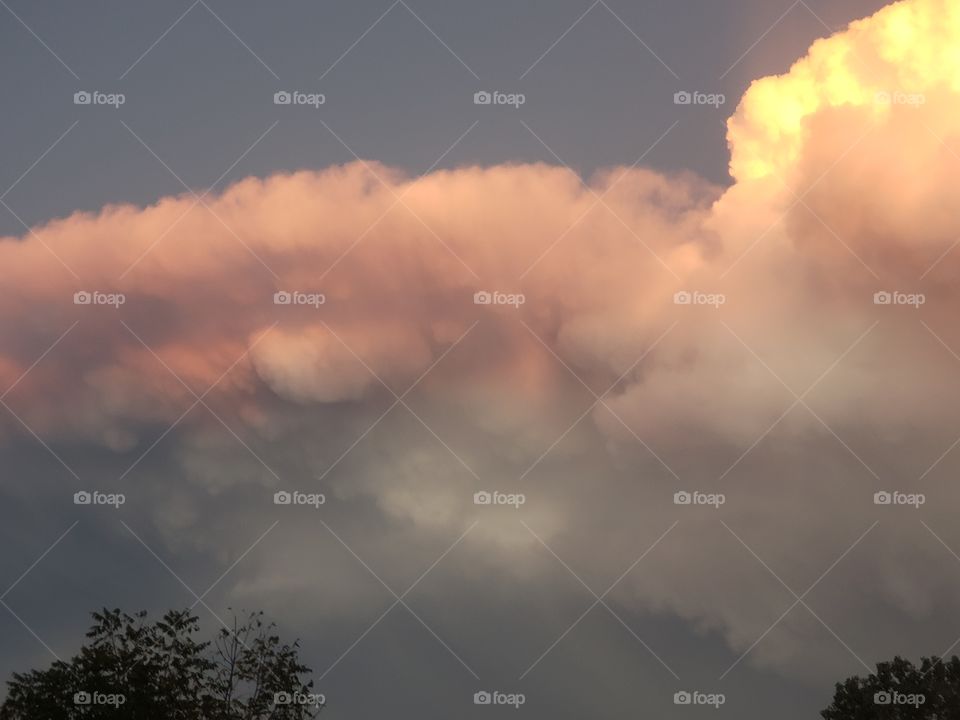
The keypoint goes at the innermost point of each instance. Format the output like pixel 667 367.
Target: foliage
pixel 133 669
pixel 899 690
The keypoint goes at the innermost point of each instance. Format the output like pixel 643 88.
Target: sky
pixel 639 379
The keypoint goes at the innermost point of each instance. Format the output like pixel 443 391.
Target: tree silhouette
pixel 131 669
pixel 899 690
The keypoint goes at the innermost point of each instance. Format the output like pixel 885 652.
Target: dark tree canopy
pixel 131 669
pixel 899 690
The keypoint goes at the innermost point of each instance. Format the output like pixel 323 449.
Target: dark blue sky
pixel 402 95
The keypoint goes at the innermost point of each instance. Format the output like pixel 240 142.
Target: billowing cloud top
pixel 906 49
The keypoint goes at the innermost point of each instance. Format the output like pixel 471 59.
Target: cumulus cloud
pixel 845 182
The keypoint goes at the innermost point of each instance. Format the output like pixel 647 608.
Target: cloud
pixel 599 395
pixel 395 282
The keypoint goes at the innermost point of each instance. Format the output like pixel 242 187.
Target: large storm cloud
pixel 781 384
